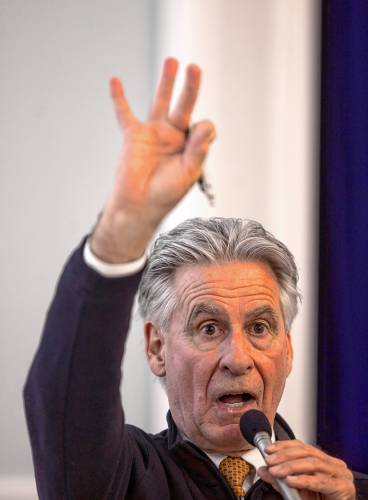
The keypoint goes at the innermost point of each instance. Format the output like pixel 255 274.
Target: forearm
pixel 72 394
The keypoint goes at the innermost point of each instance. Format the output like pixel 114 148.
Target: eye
pixel 259 328
pixel 210 329
pixel 208 334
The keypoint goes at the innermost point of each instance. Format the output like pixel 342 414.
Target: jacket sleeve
pixel 72 393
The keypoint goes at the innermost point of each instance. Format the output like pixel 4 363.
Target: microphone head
pixel 252 422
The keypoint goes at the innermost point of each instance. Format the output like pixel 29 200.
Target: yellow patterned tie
pixel 235 470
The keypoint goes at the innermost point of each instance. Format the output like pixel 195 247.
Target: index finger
pixel 292 449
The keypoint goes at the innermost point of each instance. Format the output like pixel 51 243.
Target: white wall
pixel 59 145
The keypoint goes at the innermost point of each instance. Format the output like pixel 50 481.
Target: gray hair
pixel 212 241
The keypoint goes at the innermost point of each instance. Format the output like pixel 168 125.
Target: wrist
pixel 120 237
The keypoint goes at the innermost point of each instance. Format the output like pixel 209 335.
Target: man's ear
pixel 290 354
pixel 155 349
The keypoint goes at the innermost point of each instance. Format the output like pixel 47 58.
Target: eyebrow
pixel 203 308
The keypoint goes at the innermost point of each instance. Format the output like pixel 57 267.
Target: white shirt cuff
pixel 112 270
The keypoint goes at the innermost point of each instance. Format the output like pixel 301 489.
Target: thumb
pixel 200 137
pixel 265 475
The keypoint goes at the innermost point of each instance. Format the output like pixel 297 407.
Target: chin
pixel 228 439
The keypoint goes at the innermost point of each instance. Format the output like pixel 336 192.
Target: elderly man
pixel 218 298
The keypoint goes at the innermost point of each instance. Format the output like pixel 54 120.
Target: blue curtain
pixel 343 263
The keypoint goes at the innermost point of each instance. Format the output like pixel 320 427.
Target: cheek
pixel 178 371
pixel 273 367
pixel 188 374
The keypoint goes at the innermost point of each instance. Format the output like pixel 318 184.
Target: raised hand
pixel 308 469
pixel 160 160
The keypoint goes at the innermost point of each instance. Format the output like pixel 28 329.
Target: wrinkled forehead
pixel 249 281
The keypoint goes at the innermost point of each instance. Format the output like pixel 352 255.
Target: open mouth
pixel 236 400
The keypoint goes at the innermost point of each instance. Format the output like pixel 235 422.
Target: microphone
pixel 256 429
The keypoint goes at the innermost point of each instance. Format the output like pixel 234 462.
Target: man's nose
pixel 237 354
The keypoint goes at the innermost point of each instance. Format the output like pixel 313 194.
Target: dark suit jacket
pixel 82 448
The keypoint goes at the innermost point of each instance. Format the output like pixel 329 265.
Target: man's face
pixel 226 351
